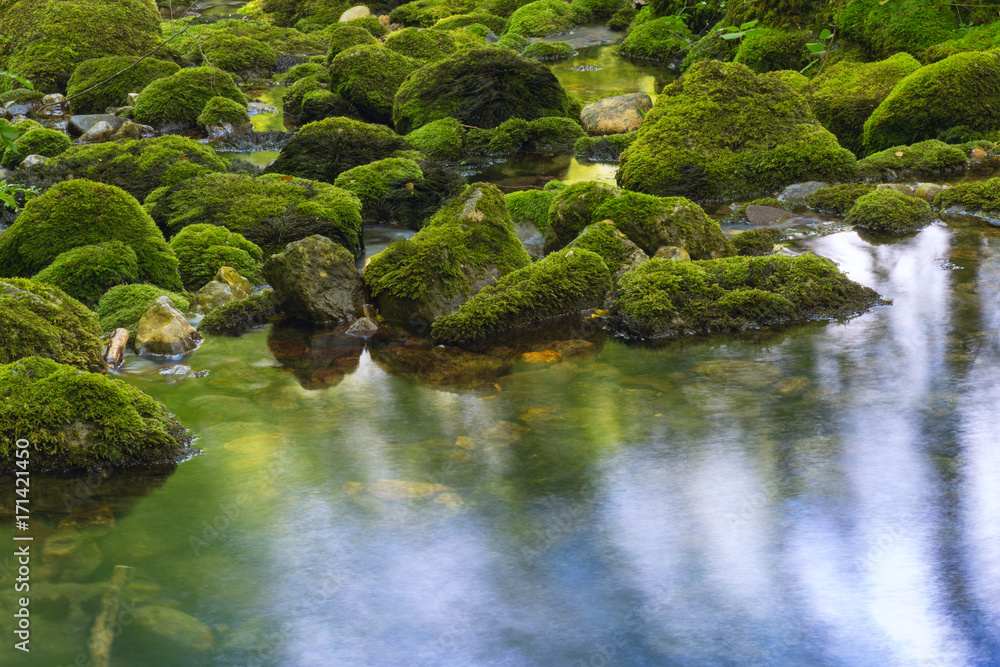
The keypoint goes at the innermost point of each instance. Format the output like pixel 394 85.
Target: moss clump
pixel 905 25
pixel 87 272
pixel 543 135
pixel 889 212
pixel 656 40
pixel 603 149
pixel 425 13
pixel 373 181
pixel 496 24
pixel 371 24
pixel 562 284
pixel 962 90
pixel 710 47
pixel 512 42
pixel 468 241
pixel 322 104
pixel 774 49
pixel 542 18
pixel 345 36
pixel 20 95
pixel 723 133
pixel 572 209
pixel 623 18
pixel 177 100
pixel 617 251
pixel 845 95
pixel 425 45
pixel 43 321
pixel 368 77
pixel 114 93
pixel 270 211
pixel 838 199
pixel 976 196
pixel 74 419
pixel 298 72
pixel 598 9
pixel 239 55
pixel 291 101
pixel 668 298
pixel 530 207
pixel 123 306
pixel 220 110
pixel 323 150
pixel 204 249
pixel 39 141
pixel 926 159
pixel 78 213
pixel 482 88
pixel 757 242
pixel 441 139
pixel 237 317
pixel 978 38
pixel 548 51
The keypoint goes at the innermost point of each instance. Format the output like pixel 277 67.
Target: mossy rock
pixel 496 24
pixel 595 10
pixel 371 24
pixel 699 17
pixel 38 141
pixel 548 51
pixel 890 212
pixel 711 47
pixel 607 148
pixel 845 94
pixel 618 252
pixel 238 317
pixel 512 42
pixel 573 208
pixel 543 18
pixel 974 38
pixel 87 272
pixel 48 39
pixel 371 182
pixel 294 97
pixel 20 95
pixel 43 321
pixel 114 93
pixel 838 199
pixel 903 25
pixel 926 159
pixel 622 19
pixel 664 298
pixel 962 90
pixel 757 242
pixel 441 139
pixel 78 213
pixel 203 249
pixel 427 46
pixel 794 79
pixel 344 36
pixel 176 101
pixel 425 13
pixel 74 419
pixel 222 110
pixel 774 49
pixel 298 72
pixel 560 285
pixel 368 77
pixel 530 208
pixel 466 245
pixel 973 197
pixel 138 167
pixel 548 136
pixel 723 133
pixel 322 104
pixel 323 150
pixel 238 55
pixel 270 211
pixel 123 306
pixel 656 40
pixel 481 88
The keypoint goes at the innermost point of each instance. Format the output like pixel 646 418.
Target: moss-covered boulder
pixel 530 208
pixel 542 18
pixel 440 139
pixel 238 54
pixel 608 148
pixel 78 213
pixel 774 49
pixel 425 13
pixel 495 21
pixel 572 209
pixel 343 37
pixel 723 133
pixel 322 104
pixel 903 25
pixel 37 141
pixel 561 285
pixel 758 242
pixel 427 46
pixel 175 102
pixel 927 159
pixel 221 112
pixel 618 252
pixel 203 249
pixel 87 272
pixel 372 182
pixel 664 298
pixel 890 212
pixel 368 77
pixel 43 321
pixel 547 136
pixel 270 211
pixel 548 51
pixel 114 93
pixel 845 94
pixel 481 88
pixel 658 40
pixel 979 198
pixel 323 150
pixel 237 317
pixel 838 199
pixel 960 91
pixel 469 243
pixel 123 306
pixel 45 40
pixel 73 419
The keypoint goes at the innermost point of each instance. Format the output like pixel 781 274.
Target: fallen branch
pixel 103 632
pixel 116 348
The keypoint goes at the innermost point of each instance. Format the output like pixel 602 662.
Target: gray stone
pixel 672 252
pixel 532 240
pixel 99 133
pixel 796 193
pixel 132 97
pixel 356 12
pixel 764 215
pixel 363 328
pixel 53 107
pixel 901 188
pixel 615 115
pixel 163 330
pixel 31 161
pixel 317 281
pixel 927 191
pixel 81 124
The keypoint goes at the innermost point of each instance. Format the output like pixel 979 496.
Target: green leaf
pixel 748 25
pixel 733 35
pixel 755 31
pixel 816 47
pixel 8 134
pixel 20 79
pixel 826 34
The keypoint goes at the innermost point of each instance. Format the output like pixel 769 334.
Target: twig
pixel 103 632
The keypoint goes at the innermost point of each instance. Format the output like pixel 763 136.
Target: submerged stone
pixel 163 330
pixel 175 627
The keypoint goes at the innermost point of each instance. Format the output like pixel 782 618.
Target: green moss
pixel 904 25
pixel 177 100
pixel 123 306
pixel 723 133
pixel 80 212
pixel 20 95
pixel 977 38
pixel 605 239
pixel 658 40
pixel 237 317
pixel 699 16
pixel 425 13
pixel 924 160
pixel 962 90
pixel 322 104
pixel 512 42
pixel 284 40
pixel 239 55
pixel 441 139
pixel 543 135
pixel 975 196
pixel 368 77
pixel 501 7
pixel 323 150
pixel 623 18
pixel 597 9
pixel 43 321
pixel 838 199
pixel 371 24
pixel 548 51
pixel 757 242
pixel 87 272
pixel 291 101
pixel 420 44
pixel 203 249
pixel 430 274
pixel 219 110
pixel 603 149
pixel 495 24
pixel 774 49
pixel 269 211
pixel 344 36
pixel 371 182
pixel 39 141
pixel 482 88
pixel 530 207
pixel 668 298
pixel 543 18
pixel 114 93
pixel 573 208
pixel 794 79
pixel 845 94
pixel 299 72
pixel 711 47
pixel 889 212
pixel 562 284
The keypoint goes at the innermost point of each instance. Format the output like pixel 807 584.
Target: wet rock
pixel 797 193
pixel 316 358
pixel 441 364
pixel 543 357
pixel 765 215
pixel 132 130
pixel 163 330
pixel 82 124
pixel 672 252
pixel 32 161
pixel 70 556
pixel 901 188
pixel 99 133
pixel 132 97
pixel 53 107
pixel 750 374
pixel 174 627
pixel 793 386
pixel 317 281
pixel 356 12
pixel 927 191
pixel 227 286
pixel 94 521
pixel 615 115
pixel 365 327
